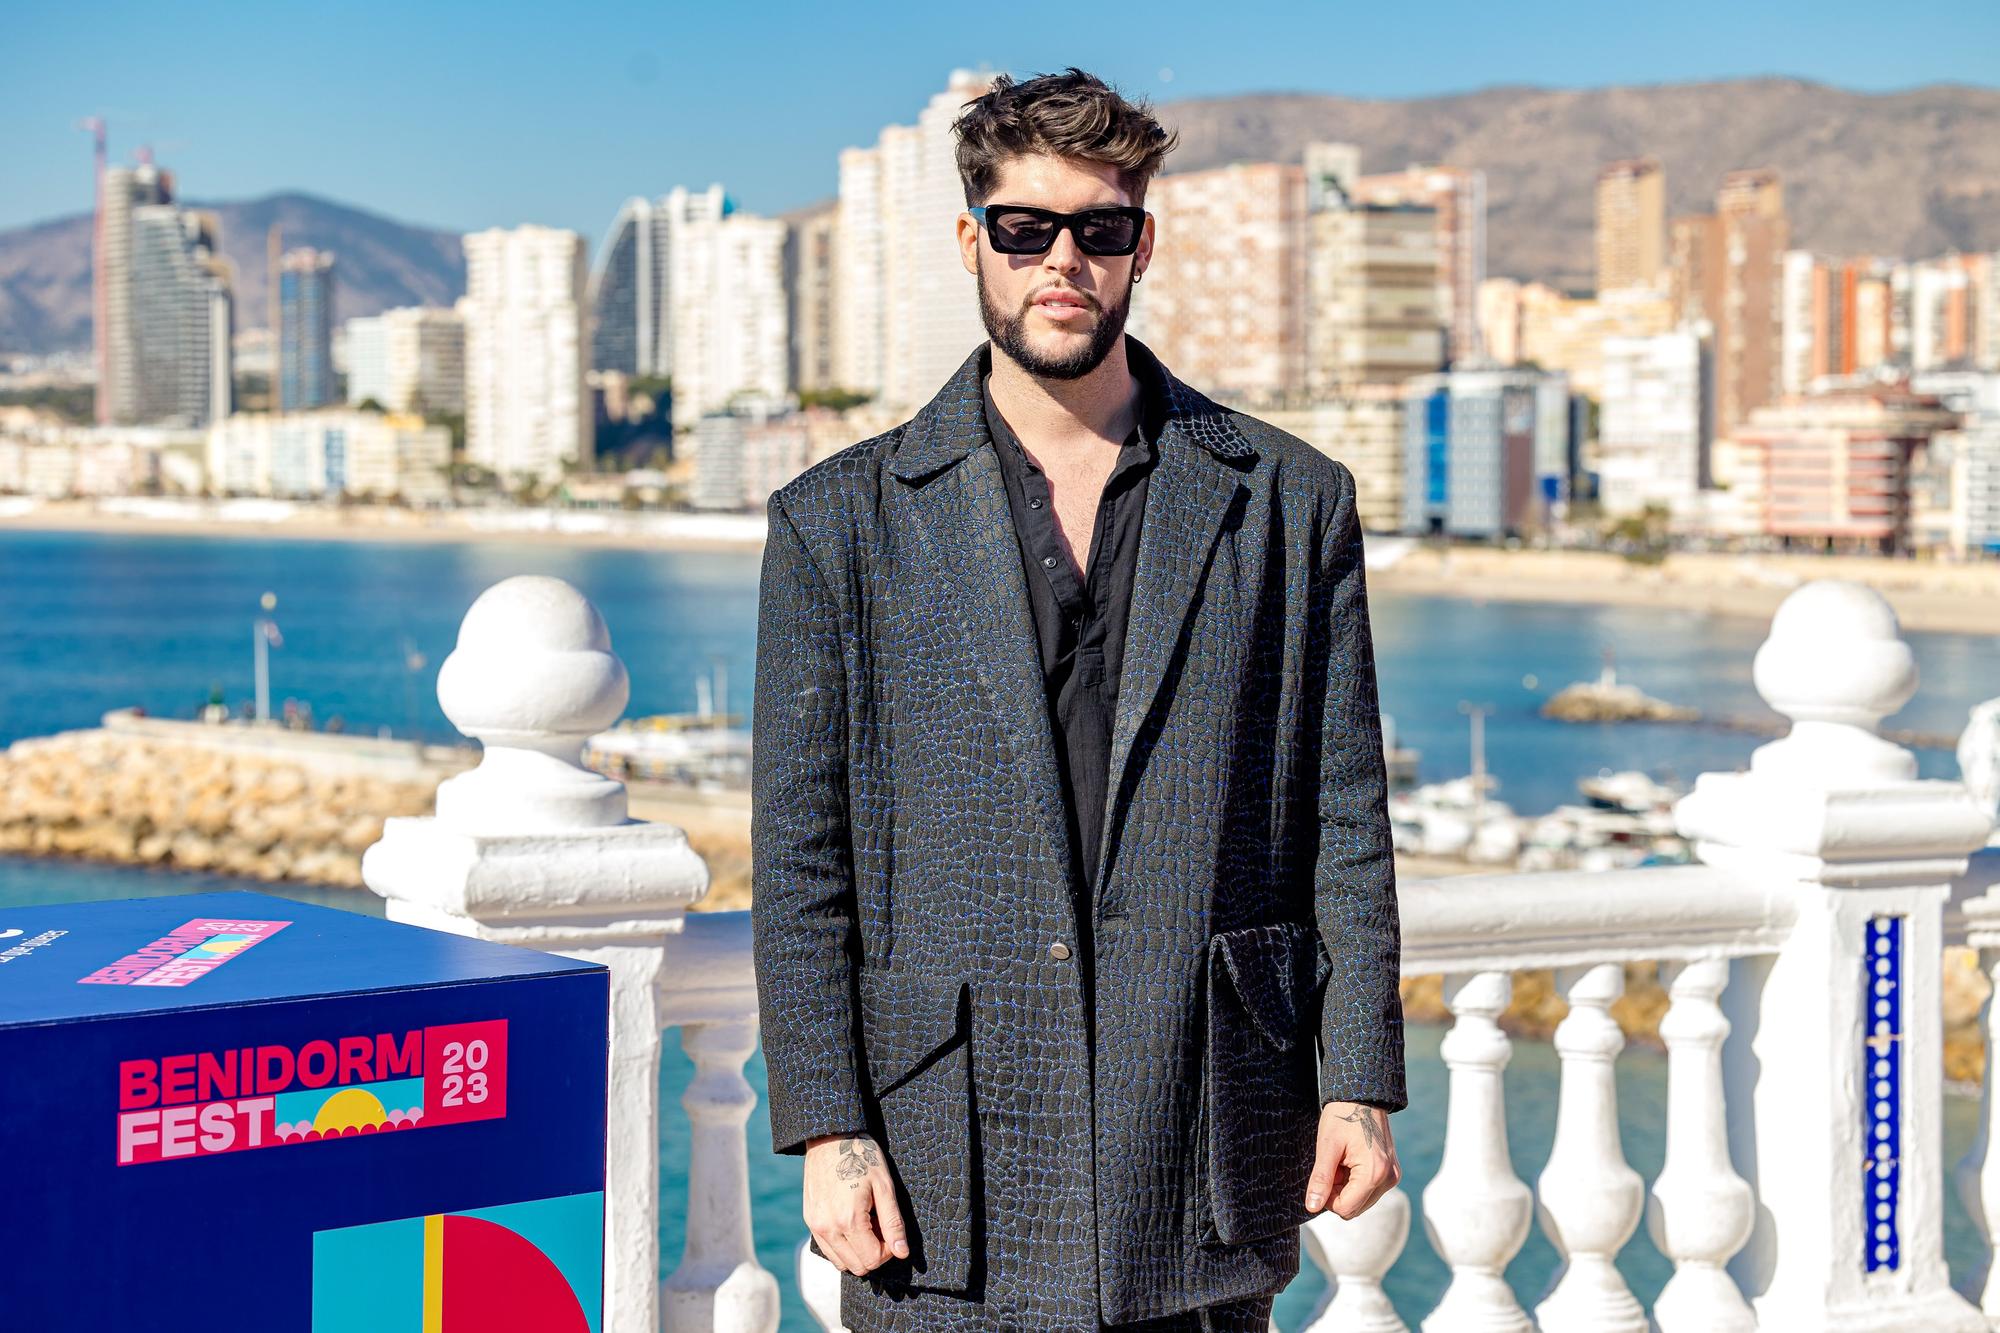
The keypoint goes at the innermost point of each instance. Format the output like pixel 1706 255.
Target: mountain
pixel 379 263
pixel 1911 174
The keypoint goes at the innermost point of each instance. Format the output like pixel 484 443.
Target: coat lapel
pixel 1189 494
pixel 960 504
pixel 961 510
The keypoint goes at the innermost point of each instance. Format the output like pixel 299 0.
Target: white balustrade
pixel 532 848
pixel 1588 1199
pixel 1800 957
pixel 1700 1211
pixel 1476 1211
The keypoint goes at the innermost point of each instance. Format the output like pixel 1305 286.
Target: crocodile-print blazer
pixel 915 937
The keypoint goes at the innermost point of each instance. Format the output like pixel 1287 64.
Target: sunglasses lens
pixel 1022 233
pixel 1107 233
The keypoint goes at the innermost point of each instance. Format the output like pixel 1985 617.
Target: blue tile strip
pixel 1882 1091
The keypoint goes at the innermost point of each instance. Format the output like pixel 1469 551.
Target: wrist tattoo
pixel 1371 1126
pixel 858 1156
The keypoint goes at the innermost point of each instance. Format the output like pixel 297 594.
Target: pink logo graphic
pixel 184 955
pixel 202 1103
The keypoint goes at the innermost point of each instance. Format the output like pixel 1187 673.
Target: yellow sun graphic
pixel 350 1108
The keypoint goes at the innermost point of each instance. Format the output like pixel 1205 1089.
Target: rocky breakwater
pixel 144 800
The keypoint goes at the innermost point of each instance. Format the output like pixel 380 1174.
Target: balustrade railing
pixel 1800 957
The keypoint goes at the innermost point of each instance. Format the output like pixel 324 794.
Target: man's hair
pixel 1073 115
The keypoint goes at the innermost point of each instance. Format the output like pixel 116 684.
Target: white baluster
pixel 1833 1068
pixel 1700 1211
pixel 1476 1210
pixel 1978 1172
pixel 1588 1198
pixel 1355 1253
pixel 819 1287
pixel 531 848
pixel 718 1287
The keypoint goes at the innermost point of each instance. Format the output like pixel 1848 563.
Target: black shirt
pixel 1080 623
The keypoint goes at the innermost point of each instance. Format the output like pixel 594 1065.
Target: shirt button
pixel 1058 950
pixel 1048 562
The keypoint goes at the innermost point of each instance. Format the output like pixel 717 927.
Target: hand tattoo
pixel 1371 1126
pixel 858 1156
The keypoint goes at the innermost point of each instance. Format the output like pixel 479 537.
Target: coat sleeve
pixel 1354 871
pixel 802 911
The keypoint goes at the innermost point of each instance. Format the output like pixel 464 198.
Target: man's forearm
pixel 1354 873
pixel 802 901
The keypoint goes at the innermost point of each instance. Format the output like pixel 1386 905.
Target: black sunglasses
pixel 1017 229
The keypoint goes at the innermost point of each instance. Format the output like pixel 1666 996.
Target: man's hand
pixel 848 1191
pixel 1355 1161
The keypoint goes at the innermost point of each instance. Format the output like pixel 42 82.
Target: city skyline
pixel 558 128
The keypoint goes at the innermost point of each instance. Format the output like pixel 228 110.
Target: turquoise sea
pixel 94 622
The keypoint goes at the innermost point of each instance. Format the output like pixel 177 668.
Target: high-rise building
pixel 1944 310
pixel 809 268
pixel 1374 312
pixel 1729 269
pixel 1567 333
pixel 859 294
pixel 526 412
pixel 121 190
pixel 1458 197
pixel 907 311
pixel 411 359
pixel 1756 235
pixel 1225 296
pixel 1363 428
pixel 630 292
pixel 1653 425
pixel 1836 463
pixel 180 319
pixel 728 313
pixel 305 333
pixel 1484 451
pixel 1631 224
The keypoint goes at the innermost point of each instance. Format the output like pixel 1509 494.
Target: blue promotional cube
pixel 234 1111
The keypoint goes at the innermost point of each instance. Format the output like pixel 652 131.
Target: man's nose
pixel 1063 256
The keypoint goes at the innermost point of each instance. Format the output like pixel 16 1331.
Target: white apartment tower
pixel 907 310
pixel 728 313
pixel 410 359
pixel 525 406
pixel 631 288
pixel 1653 423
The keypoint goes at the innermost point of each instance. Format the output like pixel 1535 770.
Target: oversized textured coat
pixel 915 935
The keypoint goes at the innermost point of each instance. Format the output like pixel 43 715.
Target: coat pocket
pixel 916 1034
pixel 1257 1117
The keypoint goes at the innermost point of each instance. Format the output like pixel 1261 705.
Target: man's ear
pixel 968 242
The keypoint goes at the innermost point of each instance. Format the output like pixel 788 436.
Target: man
pixel 1070 837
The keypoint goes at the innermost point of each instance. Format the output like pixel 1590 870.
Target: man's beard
pixel 1010 334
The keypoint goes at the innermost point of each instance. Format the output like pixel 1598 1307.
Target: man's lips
pixel 1062 305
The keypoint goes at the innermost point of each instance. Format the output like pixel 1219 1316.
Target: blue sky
pixel 463 116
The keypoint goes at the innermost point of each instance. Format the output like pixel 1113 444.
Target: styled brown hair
pixel 1072 114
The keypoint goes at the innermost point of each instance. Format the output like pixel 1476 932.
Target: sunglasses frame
pixel 1073 221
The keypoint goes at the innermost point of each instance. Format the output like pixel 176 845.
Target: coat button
pixel 1034 504
pixel 1058 950
pixel 1048 562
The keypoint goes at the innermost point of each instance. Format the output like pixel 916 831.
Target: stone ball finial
pixel 1836 664
pixel 1835 654
pixel 532 678
pixel 533 658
